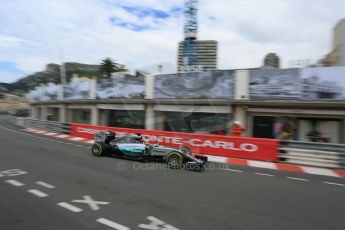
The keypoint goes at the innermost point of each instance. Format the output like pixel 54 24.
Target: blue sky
pixel 9 69
pixel 138 33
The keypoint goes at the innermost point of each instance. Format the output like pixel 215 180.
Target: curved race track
pixel 60 185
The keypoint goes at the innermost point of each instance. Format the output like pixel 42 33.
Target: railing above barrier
pixel 313 154
pixel 52 126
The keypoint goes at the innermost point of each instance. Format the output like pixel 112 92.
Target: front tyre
pixel 174 161
pixel 98 149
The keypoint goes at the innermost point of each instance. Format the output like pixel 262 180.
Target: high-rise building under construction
pixel 206 55
pixel 194 54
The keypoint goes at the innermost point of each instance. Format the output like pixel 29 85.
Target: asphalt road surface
pixel 46 183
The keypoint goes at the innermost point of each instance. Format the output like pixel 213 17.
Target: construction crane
pixel 190 60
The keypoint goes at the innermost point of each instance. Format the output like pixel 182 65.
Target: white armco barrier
pixel 52 126
pixel 313 154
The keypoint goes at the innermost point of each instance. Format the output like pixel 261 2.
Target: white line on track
pixel 15 183
pixel 44 184
pixel 297 178
pixel 263 174
pixel 112 224
pixel 69 207
pixel 233 170
pixel 331 183
pixel 38 193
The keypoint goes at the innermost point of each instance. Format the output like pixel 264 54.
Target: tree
pixel 108 66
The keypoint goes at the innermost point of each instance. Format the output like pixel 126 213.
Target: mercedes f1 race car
pixel 133 147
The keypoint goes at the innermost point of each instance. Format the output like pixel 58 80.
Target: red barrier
pixel 228 146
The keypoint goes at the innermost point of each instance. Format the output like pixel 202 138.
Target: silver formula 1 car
pixel 133 147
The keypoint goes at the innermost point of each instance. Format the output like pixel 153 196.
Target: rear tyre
pixel 98 149
pixel 174 161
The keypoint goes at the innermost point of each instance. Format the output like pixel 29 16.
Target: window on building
pixel 207 123
pixel 127 119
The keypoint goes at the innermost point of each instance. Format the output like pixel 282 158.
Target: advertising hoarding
pixel 132 87
pixel 274 84
pixel 218 145
pixel 49 92
pixel 198 85
pixel 77 90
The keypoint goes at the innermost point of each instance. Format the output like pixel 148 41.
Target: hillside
pixel 50 74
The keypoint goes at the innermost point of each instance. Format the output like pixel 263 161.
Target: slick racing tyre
pixel 174 160
pixel 98 149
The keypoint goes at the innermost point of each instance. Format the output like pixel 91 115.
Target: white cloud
pixel 33 31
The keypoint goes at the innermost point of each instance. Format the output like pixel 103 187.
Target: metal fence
pixel 51 126
pixel 313 154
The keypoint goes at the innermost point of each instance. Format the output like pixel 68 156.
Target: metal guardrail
pixel 51 126
pixel 313 154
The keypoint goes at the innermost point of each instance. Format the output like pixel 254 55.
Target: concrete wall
pixel 242 85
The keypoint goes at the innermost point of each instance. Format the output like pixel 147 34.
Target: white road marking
pixel 90 141
pixel 263 174
pixel 112 224
pixel 44 184
pixel 13 172
pixel 233 170
pixel 62 136
pixel 69 207
pixel 15 183
pixel 261 164
pixel 296 178
pixel 76 139
pixel 94 204
pixel 319 171
pixel 38 193
pixel 156 224
pixel 311 170
pixel 331 183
